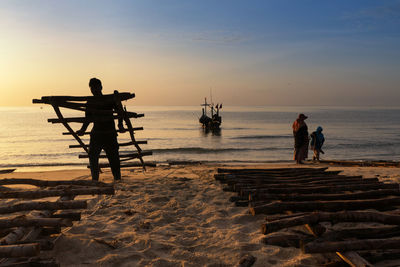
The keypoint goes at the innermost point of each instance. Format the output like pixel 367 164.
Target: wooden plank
pixel 43 183
pixel 26 222
pixel 129 165
pixel 94 99
pixel 15 251
pixel 34 194
pixel 309 197
pixel 84 119
pixel 120 144
pixel 45 205
pixel 351 245
pixel 227 170
pixel 342 216
pixel 108 132
pixel 319 189
pixel 131 156
pixel 7 171
pixel 334 205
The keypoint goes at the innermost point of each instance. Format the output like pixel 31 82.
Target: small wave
pixel 262 137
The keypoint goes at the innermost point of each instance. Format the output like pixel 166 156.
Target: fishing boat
pixel 212 122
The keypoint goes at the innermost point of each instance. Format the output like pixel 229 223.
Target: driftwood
pixel 351 245
pixel 33 262
pixel 306 181
pixel 73 216
pixel 335 205
pixel 47 231
pixel 289 176
pixel 33 194
pixel 46 183
pixel 377 256
pixel 343 216
pixel 287 239
pixel 353 259
pixel 309 197
pixel 237 187
pixel 23 221
pixel 319 189
pixel 226 170
pixel 363 233
pixel 60 205
pixel 24 250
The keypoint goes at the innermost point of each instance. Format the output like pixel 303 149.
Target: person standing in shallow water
pixel 317 140
pixel 300 133
pixel 103 134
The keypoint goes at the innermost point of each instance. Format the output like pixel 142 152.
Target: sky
pixel 170 52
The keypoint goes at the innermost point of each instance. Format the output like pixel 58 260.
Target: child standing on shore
pixel 317 140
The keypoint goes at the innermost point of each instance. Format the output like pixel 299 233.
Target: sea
pixel 249 134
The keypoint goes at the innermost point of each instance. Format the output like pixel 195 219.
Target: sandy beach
pixel 171 216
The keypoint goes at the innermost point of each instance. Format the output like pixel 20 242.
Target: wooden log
pixel 281 176
pixel 15 251
pixel 45 244
pixel 287 239
pixel 239 186
pixel 377 256
pixel 308 181
pixel 45 183
pixel 109 131
pixel 15 235
pixel 353 259
pixel 73 216
pixel 334 205
pixel 132 155
pixel 34 194
pixel 136 164
pixel 84 119
pixel 309 197
pixel 7 171
pixel 351 245
pixel 46 205
pixel 120 144
pixel 319 189
pixel 33 262
pixel 342 216
pixel 227 170
pixel 363 233
pixel 26 222
pixel 47 231
pixel 94 99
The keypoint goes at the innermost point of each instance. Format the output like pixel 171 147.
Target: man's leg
pixel 111 149
pixel 94 152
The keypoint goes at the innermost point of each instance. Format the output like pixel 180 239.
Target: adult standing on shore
pixel 103 134
pixel 300 133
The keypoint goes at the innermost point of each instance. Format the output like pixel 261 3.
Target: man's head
pixel 95 86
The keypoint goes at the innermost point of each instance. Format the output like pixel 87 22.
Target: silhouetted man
pixel 103 134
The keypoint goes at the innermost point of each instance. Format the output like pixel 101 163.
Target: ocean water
pixel 248 135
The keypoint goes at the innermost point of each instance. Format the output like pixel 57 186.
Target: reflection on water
pixel 251 134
